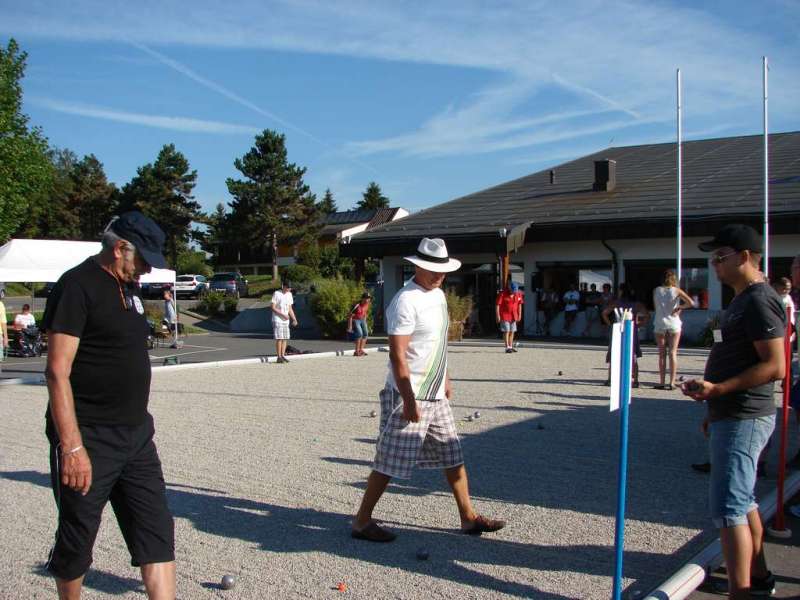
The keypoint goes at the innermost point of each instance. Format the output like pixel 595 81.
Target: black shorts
pixel 127 471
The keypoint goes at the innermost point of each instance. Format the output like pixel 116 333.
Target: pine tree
pixel 327 205
pixel 373 198
pixel 272 204
pixel 163 192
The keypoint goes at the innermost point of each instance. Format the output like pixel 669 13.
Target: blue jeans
pixel 360 329
pixel 735 446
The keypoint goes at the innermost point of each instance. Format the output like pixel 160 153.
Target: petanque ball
pixel 561 372
pixel 228 581
pixel 372 413
pixel 469 418
pixel 423 554
pixel 681 378
pixel 477 414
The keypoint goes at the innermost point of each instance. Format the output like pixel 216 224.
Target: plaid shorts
pixel 280 330
pixel 430 444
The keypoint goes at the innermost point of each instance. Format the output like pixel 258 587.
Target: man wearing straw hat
pixel 747 357
pixel 417 426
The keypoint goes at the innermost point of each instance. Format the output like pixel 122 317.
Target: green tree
pixel 163 192
pixel 25 171
pixel 193 261
pixel 327 205
pixel 373 198
pixel 94 198
pixel 272 204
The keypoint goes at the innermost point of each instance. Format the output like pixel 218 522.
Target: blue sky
pixel 431 100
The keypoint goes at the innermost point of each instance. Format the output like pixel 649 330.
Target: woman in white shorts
pixel 669 301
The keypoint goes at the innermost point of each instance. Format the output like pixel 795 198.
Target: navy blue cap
pixel 142 232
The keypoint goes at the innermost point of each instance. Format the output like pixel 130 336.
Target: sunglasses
pixel 718 259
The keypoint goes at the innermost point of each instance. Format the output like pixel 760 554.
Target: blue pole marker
pixel 624 400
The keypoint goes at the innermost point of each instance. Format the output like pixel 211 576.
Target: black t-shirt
pixel 754 315
pixel 111 373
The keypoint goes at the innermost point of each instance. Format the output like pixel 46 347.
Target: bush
pixel 231 304
pixel 331 303
pixel 210 303
pixel 298 273
pixel 333 266
pixel 309 254
pixel 194 261
pixel 458 309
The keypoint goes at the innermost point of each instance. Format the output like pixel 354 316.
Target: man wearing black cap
pixel 100 433
pixel 747 357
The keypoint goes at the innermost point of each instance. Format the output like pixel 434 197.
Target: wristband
pixel 73 451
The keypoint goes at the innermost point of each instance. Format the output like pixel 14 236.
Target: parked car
pixel 155 290
pixel 190 286
pixel 232 284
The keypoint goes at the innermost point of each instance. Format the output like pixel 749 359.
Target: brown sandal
pixel 373 532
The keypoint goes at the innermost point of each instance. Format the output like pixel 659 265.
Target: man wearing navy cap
pixel 97 423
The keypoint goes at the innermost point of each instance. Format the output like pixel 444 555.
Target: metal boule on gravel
pixel 228 581
pixel 469 417
pixel 561 372
pixel 423 554
pixel 477 414
pixel 372 413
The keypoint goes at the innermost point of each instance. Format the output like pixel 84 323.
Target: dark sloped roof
pixel 722 178
pixel 349 216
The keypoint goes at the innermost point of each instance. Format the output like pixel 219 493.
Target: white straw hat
pixel 432 256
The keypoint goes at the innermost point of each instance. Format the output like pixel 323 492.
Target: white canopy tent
pixel 35 261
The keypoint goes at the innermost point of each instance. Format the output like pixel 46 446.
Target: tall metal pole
pixel 680 179
pixel 622 472
pixel 765 68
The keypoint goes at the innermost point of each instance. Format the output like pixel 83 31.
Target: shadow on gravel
pixel 284 529
pixel 101 581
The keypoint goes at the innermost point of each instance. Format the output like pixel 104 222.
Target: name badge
pixel 717 336
pixel 137 303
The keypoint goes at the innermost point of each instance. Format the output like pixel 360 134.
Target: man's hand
pixel 294 322
pixel 411 411
pixel 448 389
pixel 699 390
pixel 76 471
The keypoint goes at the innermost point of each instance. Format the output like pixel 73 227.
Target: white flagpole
pixel 680 179
pixel 765 68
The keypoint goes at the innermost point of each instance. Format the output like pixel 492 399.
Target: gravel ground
pixel 265 465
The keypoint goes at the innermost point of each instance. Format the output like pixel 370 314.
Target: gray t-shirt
pixel 754 315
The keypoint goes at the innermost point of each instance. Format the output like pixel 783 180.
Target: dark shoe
pixel 483 524
pixel 509 350
pixel 283 359
pixel 668 387
pixel 373 533
pixel 762 586
pixel 514 350
pixel 702 467
pixel 660 387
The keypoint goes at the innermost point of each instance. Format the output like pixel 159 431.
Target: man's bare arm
pixel 76 468
pixel 771 367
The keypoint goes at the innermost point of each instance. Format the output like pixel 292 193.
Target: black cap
pixel 142 232
pixel 365 295
pixel 738 237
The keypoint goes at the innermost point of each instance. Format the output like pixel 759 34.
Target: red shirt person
pixel 508 312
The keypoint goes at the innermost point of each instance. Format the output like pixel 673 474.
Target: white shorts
pixel 671 324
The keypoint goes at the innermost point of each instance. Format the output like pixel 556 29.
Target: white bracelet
pixel 73 451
